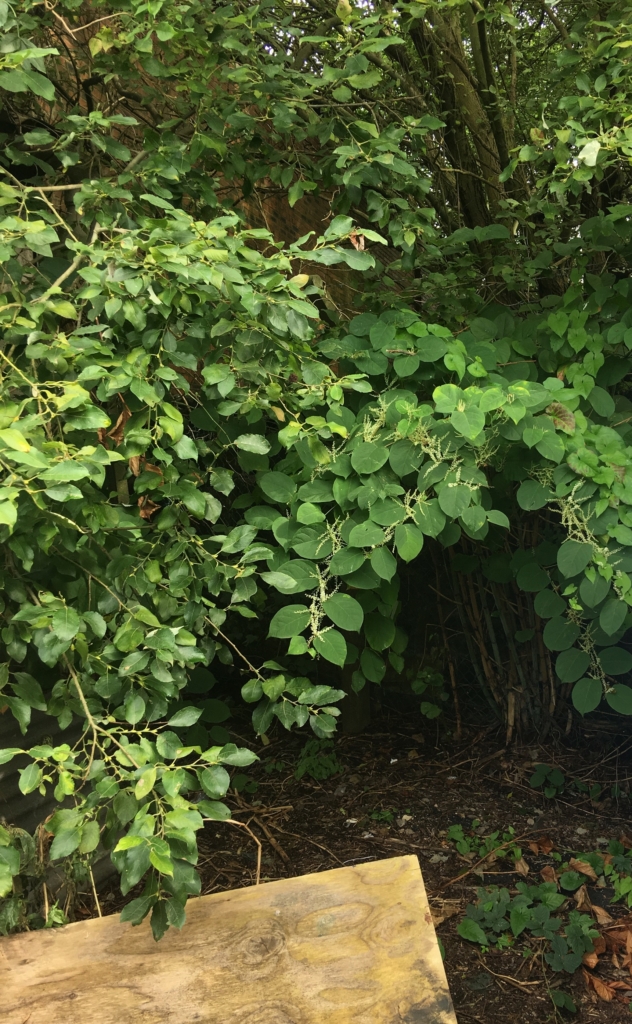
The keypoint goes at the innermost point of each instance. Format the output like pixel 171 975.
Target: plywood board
pixel 351 946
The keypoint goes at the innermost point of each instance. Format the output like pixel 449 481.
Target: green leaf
pixel 586 695
pixel 278 487
pixel 612 615
pixel 551 447
pixel 30 778
pixel 615 661
pixel 372 665
pixel 252 443
pixel 620 699
pixel 215 781
pixel 379 631
pixel 344 611
pixel 573 557
pixel 66 624
pixel 332 646
pixel 136 911
pixel 593 592
pixel 383 563
pixel 520 916
pixel 469 421
pixel 532 577
pixel 168 745
pixel 498 518
pixel 8 753
pixel 134 662
pixel 602 402
pixel 240 757
pixel 346 561
pixel 368 457
pixel 146 782
pixel 90 837
pixel 454 499
pixel 429 517
pixel 405 458
pixel 532 495
pixel 8 514
pixel 160 860
pixel 408 541
pixel 560 634
pixel 252 691
pixel 65 843
pixel 470 930
pixel 290 621
pixel 572 664
pixel 134 707
pixel 214 810
pixel 473 519
pixel 185 717
pixel 274 686
pixel 366 535
pixel 548 604
pixel 309 514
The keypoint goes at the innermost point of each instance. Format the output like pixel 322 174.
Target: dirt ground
pixel 397 791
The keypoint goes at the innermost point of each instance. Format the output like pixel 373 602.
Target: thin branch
pixel 94 893
pixel 81 28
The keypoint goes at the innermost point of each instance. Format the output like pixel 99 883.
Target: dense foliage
pixel 206 438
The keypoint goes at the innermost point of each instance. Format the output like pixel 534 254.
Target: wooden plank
pixel 351 946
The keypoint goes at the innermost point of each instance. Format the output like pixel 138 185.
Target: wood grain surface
pixel 351 946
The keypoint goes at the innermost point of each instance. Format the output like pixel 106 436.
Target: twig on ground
pixel 242 824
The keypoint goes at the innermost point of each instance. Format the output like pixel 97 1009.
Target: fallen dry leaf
pixel 147 507
pixel 582 899
pixel 583 867
pixel 599 945
pixel 626 840
pixel 615 961
pixel 602 916
pixel 548 874
pixel 543 845
pixel 117 431
pixel 603 991
pixel 534 848
pixel 590 959
pixel 521 866
pixel 615 940
pixel 441 914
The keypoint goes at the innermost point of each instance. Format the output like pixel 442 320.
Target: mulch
pixel 397 791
